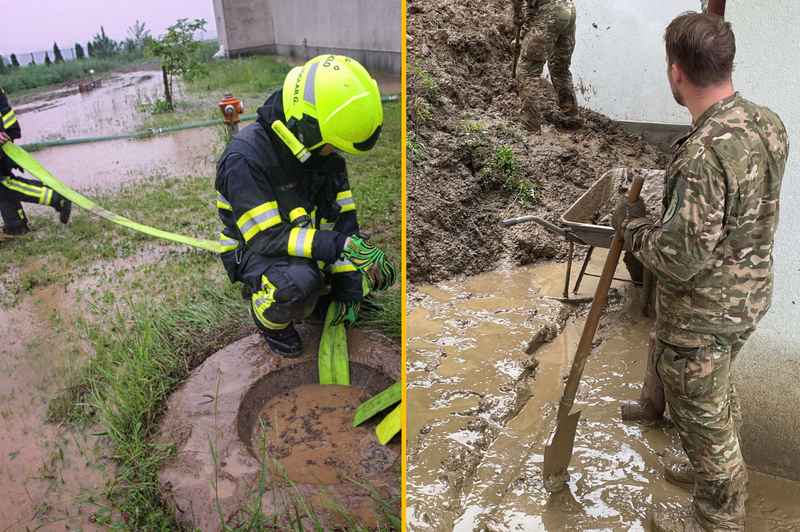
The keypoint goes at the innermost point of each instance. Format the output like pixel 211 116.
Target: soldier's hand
pixel 625 212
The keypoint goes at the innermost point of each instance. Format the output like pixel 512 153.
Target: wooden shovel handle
pixel 593 319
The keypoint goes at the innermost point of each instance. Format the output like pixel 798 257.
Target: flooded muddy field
pixel 112 109
pixel 486 360
pixel 48 473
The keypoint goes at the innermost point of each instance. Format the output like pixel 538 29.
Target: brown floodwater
pixel 478 421
pixel 48 473
pixel 309 431
pixel 112 109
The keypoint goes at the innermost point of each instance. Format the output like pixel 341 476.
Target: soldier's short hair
pixel 703 45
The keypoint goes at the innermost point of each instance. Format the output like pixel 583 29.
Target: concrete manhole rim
pixel 208 406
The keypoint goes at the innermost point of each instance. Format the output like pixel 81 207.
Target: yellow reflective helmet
pixel 333 99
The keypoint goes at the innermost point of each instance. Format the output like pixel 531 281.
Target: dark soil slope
pixel 470 163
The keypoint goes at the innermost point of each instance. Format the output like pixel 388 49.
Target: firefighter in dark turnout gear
pixel 291 229
pixel 15 189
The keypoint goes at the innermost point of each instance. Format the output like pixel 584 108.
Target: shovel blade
pixel 558 453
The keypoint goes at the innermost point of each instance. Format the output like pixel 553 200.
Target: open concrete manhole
pixel 307 427
pixel 245 399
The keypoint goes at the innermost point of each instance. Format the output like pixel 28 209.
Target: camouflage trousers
pixel 551 40
pixel 704 405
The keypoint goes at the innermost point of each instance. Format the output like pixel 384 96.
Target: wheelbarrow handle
pixel 544 223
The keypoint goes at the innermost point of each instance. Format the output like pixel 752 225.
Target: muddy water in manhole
pixel 478 423
pixel 309 431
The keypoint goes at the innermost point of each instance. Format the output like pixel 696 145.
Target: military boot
pixel 532 122
pixel 675 520
pixel 286 342
pixel 680 473
pixel 569 117
pixel 651 403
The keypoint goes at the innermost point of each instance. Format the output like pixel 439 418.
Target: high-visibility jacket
pixel 277 206
pixel 10 126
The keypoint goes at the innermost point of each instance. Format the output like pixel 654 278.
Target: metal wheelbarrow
pixel 581 225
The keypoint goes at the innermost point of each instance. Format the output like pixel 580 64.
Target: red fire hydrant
pixel 231 109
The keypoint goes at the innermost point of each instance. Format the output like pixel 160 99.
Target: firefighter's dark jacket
pixel 10 126
pixel 264 193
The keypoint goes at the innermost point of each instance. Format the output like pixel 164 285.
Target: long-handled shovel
pixel 516 55
pixel 558 452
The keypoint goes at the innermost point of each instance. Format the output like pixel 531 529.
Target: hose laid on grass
pixel 34 146
pixel 32 166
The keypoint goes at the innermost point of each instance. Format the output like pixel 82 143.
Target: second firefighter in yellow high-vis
pixel 14 189
pixel 285 200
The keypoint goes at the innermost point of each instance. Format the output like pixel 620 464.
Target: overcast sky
pixel 33 25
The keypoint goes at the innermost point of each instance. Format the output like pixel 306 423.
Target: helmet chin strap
pixel 291 141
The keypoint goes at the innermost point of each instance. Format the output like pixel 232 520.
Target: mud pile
pixel 463 106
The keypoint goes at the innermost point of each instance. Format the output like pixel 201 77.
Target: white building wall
pixel 620 70
pixel 366 30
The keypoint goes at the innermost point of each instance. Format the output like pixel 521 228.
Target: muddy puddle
pixel 309 431
pixel 50 475
pixel 486 361
pixel 112 109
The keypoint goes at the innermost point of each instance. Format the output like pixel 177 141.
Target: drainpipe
pixel 717 7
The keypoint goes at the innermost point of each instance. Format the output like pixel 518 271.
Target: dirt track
pixel 461 105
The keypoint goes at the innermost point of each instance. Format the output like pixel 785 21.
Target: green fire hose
pixel 33 146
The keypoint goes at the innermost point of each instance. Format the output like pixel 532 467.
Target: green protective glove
pixel 370 261
pixel 347 313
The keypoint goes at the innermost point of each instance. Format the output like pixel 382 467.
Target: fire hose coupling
pixel 231 109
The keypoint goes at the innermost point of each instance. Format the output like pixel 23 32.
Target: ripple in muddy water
pixel 309 431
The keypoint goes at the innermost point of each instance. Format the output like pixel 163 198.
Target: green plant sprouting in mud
pixel 416 148
pixel 500 170
pixel 422 109
pixel 425 76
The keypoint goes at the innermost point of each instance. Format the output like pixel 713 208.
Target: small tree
pixel 57 57
pixel 178 51
pixel 47 59
pixel 103 47
pixel 14 60
pixel 137 40
pixel 78 51
pixel 2 65
pixel 89 50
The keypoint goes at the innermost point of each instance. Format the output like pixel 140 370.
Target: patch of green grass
pixel 376 182
pixel 500 170
pixel 247 77
pixel 142 354
pixel 33 78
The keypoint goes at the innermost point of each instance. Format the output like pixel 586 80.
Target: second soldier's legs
pixel 560 62
pixel 537 48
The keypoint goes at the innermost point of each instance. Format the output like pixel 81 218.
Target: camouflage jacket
pixel 531 5
pixel 712 248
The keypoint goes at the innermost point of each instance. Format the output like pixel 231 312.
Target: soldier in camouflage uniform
pixel 550 39
pixel 711 251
